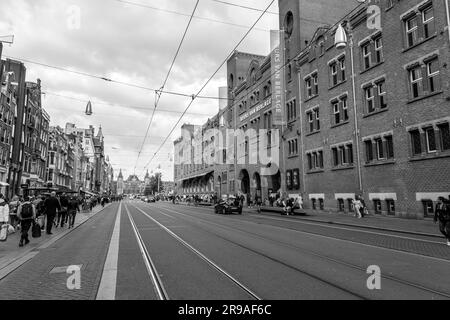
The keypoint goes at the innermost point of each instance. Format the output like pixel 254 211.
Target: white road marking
pixel 107 288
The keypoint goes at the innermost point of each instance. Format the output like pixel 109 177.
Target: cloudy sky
pixel 132 44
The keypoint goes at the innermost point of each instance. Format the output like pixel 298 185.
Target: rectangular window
pixel 321 159
pixel 380 149
pixel 311 121
pixel 444 134
pixel 316 84
pixel 335 157
pixel 309 93
pixel 377 206
pixel 337 114
pixel 378 50
pixel 370 100
pixel 416 143
pixel 310 165
pixel 334 74
pixel 343 155
pixel 366 55
pixel 391 207
pixel 431 140
pixel 434 84
pixel 317 119
pixel 344 109
pixel 416 82
pixel 350 154
pixel 369 151
pixel 411 31
pixel 389 147
pixel 382 94
pixel 341 205
pixel 314 204
pixel 428 22
pixel 428 208
pixel 342 71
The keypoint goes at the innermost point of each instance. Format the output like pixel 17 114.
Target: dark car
pixel 229 207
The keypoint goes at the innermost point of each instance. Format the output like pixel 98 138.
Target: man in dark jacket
pixel 72 209
pixel 52 205
pixel 62 214
pixel 26 214
pixel 442 213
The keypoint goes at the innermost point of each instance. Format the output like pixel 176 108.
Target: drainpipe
pixel 447 9
pixel 357 133
pixel 302 146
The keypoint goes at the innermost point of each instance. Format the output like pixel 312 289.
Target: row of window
pixel 342 155
pixel 430 139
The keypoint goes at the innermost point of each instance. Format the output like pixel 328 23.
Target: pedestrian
pixel 357 206
pixel 258 203
pixel 72 209
pixel 442 213
pixel 4 211
pixel 62 214
pixel 13 206
pixel 52 206
pixel 27 215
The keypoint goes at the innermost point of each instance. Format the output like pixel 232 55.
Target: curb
pixel 366 227
pixel 27 255
pixel 431 235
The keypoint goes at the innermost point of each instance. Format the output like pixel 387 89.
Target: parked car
pixel 228 207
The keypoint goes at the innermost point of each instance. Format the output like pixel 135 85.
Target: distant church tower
pixel 120 185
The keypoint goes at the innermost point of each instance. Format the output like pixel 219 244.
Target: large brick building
pixel 370 119
pixel 385 136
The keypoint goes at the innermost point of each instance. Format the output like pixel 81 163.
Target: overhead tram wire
pixel 122 106
pixel 207 82
pixel 257 84
pixel 158 94
pixel 85 74
pixel 261 10
pixel 187 15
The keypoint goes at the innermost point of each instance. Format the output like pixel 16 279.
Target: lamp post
pixel 341 42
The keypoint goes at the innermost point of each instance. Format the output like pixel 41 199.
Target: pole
pixel 358 155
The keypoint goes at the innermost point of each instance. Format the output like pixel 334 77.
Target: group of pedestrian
pixel 359 205
pixel 41 213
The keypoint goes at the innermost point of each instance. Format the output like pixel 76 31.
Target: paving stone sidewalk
pixel 11 252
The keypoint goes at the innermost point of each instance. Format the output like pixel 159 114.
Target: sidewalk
pixel 12 256
pixel 376 222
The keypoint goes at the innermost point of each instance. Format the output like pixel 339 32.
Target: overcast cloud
pixel 130 44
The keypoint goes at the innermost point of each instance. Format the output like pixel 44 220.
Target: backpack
pixel 27 211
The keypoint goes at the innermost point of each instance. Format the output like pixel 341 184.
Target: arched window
pixel 289 24
pixel 231 82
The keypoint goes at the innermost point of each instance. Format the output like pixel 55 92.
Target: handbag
pixel 4 233
pixel 36 231
pixel 11 229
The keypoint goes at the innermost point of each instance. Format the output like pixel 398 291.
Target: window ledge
pixel 425 97
pixel 431 156
pixel 340 124
pixel 313 133
pixel 372 67
pixel 375 112
pixel 343 167
pixel 419 43
pixel 292 157
pixel 377 163
pixel 315 171
pixel 311 98
pixel 337 85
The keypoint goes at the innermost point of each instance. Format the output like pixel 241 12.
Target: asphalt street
pixel 162 251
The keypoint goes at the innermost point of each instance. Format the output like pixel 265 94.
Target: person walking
pixel 357 206
pixel 62 214
pixel 13 206
pixel 4 211
pixel 72 209
pixel 27 215
pixel 442 213
pixel 52 206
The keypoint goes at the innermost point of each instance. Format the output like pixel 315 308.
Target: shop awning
pixel 198 175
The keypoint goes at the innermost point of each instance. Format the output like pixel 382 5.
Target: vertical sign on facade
pixel 223 98
pixel 277 71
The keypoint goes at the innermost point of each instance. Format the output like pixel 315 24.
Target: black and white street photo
pixel 237 152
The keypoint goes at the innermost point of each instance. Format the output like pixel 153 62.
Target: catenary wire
pixel 208 81
pixel 158 95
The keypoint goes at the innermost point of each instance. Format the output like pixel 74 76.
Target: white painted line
pixel 107 288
